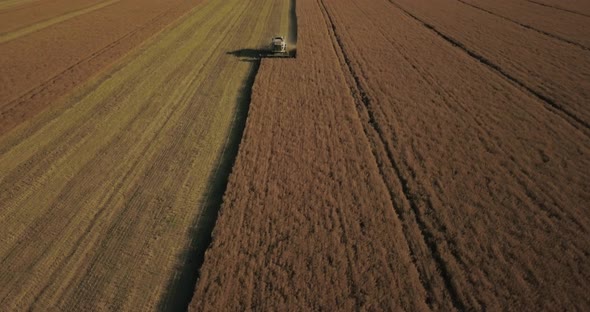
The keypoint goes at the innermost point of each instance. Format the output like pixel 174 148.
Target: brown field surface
pixel 553 70
pixel 42 13
pixel 562 25
pixel 417 155
pixel 102 192
pixel 50 47
pixel 578 7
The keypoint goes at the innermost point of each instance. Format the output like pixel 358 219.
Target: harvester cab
pixel 278 45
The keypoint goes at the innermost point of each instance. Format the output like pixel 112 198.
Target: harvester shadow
pixel 254 55
pixel 180 289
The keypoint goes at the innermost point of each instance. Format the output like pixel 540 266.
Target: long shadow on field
pixel 292 37
pixel 255 55
pixel 180 289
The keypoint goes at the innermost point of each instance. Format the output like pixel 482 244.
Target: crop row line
pixel 558 8
pixel 550 35
pixel 361 95
pixel 550 104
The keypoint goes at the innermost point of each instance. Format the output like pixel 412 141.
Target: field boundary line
pixel 548 34
pixel 550 104
pixel 361 96
pixel 558 8
pixel 52 21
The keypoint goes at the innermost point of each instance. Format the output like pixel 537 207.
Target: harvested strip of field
pixel 58 19
pixel 24 15
pixel 557 24
pixel 99 193
pixel 37 69
pixel 394 170
pixel 26 20
pixel 307 223
pixel 554 71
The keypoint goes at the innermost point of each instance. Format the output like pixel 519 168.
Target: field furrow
pixel 559 25
pixel 553 71
pixel 482 178
pixel 578 7
pixel 307 222
pixel 101 191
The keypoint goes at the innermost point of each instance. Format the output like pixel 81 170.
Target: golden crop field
pixel 393 155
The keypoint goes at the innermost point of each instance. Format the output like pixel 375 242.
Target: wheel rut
pixel 548 34
pixel 364 106
pixel 548 102
pixel 558 8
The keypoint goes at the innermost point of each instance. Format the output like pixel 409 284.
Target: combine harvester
pixel 278 47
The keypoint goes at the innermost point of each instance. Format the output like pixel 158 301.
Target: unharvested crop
pixel 409 159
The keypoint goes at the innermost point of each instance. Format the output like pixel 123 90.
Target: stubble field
pixel 415 155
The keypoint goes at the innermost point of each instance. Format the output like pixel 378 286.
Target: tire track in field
pixel 558 8
pixel 548 34
pixel 360 94
pixel 50 22
pixel 360 98
pixel 430 79
pixel 550 104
